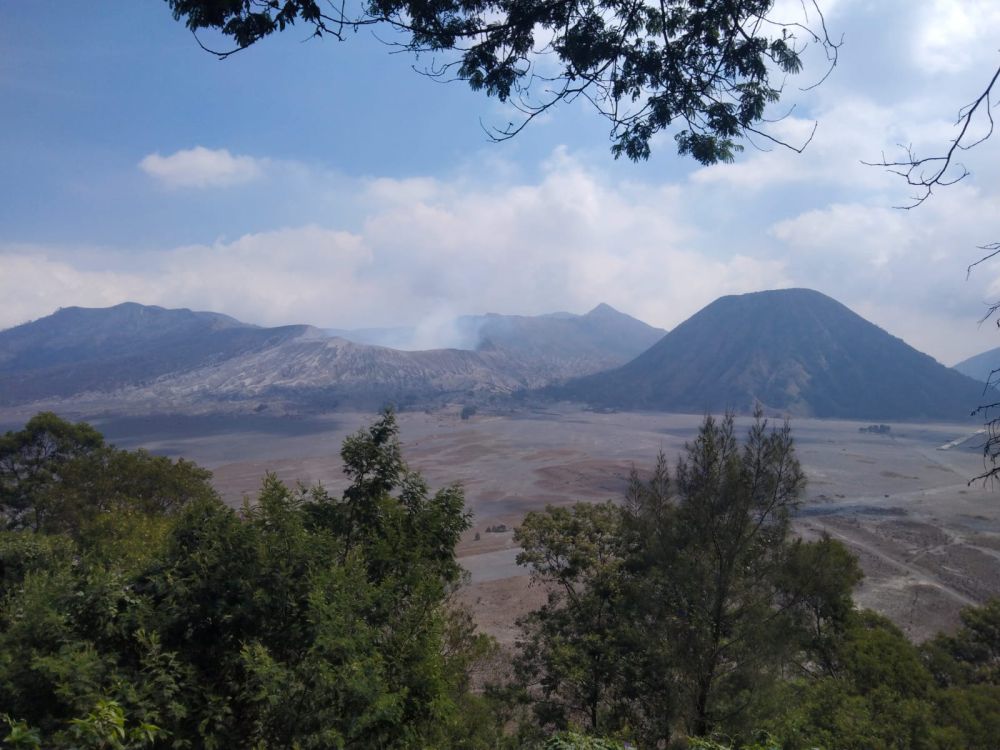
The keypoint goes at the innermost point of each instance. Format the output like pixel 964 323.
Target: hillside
pixel 557 345
pixel 980 366
pixel 328 373
pixel 76 349
pixel 597 340
pixel 793 350
pixel 132 354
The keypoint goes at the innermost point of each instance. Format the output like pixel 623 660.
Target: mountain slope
pixel 557 345
pixel 980 366
pixel 601 337
pixel 131 354
pixel 794 350
pixel 331 372
pixel 85 349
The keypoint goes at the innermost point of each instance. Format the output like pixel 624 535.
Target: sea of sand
pixel 927 539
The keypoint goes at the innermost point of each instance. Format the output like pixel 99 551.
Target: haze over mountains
pixel 77 349
pixel 795 351
pixel 598 340
pixel 981 366
pixel 179 357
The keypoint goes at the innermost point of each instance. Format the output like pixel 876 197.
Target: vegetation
pixel 708 70
pixel 689 616
pixel 61 477
pixel 137 610
pixel 304 621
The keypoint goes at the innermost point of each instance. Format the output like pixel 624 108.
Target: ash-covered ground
pixel 928 541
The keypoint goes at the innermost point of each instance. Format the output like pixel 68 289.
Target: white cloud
pixel 906 270
pixel 427 249
pixel 303 243
pixel 568 241
pixel 955 35
pixel 33 285
pixel 200 167
pixel 416 251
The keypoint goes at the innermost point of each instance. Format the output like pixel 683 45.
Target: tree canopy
pixel 684 616
pixel 705 69
pixel 688 614
pixel 306 620
pixel 54 475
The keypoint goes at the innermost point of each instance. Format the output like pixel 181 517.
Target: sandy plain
pixel 929 542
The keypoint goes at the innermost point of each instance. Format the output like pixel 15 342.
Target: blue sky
pixel 315 181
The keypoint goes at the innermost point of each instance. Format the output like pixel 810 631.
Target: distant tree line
pixel 137 610
pixel 876 429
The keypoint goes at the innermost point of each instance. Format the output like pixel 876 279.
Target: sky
pixel 324 182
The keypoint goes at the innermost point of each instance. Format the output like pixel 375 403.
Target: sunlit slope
pixel 133 354
pixel 77 349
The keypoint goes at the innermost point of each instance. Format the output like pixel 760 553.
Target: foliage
pixel 58 476
pixel 575 741
pixel 883 691
pixel 105 728
pixel 305 621
pixel 879 694
pixel 32 461
pixel 684 606
pixel 764 742
pixel 708 70
pixel 689 615
pixel 818 579
pixel 571 655
pixel 975 648
pixel 685 616
pixel 716 591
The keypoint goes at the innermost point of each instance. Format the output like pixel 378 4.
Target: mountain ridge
pixel 980 366
pixel 78 349
pixel 795 351
pixel 133 352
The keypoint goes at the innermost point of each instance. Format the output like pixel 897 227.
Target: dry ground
pixel 929 544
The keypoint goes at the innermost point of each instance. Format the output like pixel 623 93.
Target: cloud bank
pixel 424 250
pixel 200 167
pixel 291 241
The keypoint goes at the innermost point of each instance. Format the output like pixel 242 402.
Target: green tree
pixel 974 650
pixel 709 579
pixel 59 476
pixel 306 620
pixel 708 70
pixel 881 695
pixel 685 607
pixel 817 582
pixel 32 462
pixel 572 653
pixel 574 741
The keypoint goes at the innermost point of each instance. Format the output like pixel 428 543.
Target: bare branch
pixel 797 149
pixel 991 249
pixel 929 172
